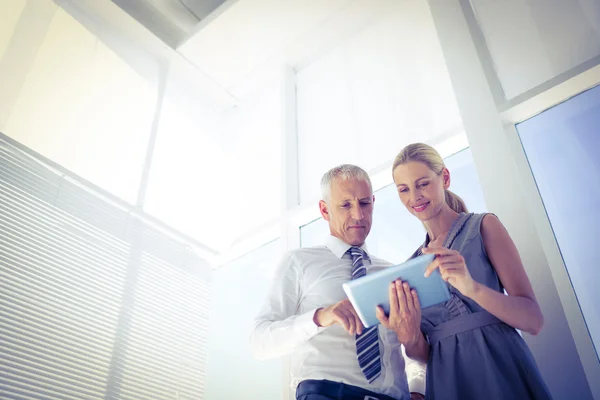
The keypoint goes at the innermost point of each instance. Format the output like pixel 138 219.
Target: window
pixel 395 233
pixel 532 41
pixel 240 288
pixel 209 178
pixel 562 145
pixel 95 303
pixel 371 95
pixel 81 105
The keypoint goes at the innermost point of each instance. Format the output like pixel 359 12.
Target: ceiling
pixel 250 40
pixel 173 21
pixel 228 49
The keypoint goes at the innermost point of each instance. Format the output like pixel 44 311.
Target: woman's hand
pixel 453 269
pixel 405 313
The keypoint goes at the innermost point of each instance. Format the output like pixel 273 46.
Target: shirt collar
pixel 338 247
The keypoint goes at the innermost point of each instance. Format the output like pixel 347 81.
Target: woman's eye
pixel 425 184
pixel 403 190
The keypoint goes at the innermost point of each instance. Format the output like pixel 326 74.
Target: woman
pixel 470 343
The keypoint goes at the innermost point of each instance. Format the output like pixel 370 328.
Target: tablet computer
pixel 371 290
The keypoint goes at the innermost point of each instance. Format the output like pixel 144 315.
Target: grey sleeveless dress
pixel 474 355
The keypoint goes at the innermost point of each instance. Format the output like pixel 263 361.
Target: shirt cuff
pixel 416 383
pixel 306 325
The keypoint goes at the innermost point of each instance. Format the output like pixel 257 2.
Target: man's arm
pixel 415 374
pixel 277 330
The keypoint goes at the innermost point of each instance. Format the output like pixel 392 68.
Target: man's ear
pixel 324 210
pixel 446 178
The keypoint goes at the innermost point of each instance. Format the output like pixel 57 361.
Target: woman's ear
pixel 446 178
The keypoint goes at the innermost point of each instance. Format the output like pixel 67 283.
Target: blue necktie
pixel 367 343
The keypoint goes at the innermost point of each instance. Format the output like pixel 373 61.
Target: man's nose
pixel 357 213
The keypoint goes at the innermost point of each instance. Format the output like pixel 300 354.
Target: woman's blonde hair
pixel 421 152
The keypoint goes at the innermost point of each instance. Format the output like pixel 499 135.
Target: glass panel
pixel 373 94
pixel 396 234
pixel 562 149
pixel 84 108
pixel 533 41
pixel 238 294
pixel 218 179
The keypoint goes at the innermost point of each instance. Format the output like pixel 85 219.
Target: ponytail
pixel 455 202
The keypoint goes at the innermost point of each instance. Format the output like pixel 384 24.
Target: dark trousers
pixel 327 390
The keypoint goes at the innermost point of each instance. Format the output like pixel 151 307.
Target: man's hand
pixel 405 313
pixel 339 313
pixel 416 396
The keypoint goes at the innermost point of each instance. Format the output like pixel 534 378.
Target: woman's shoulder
pixel 477 218
pixel 477 222
pixel 483 230
pixel 487 223
pixel 468 230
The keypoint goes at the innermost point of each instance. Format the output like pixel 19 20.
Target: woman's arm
pixel 520 308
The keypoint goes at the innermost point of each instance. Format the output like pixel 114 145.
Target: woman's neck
pixel 439 225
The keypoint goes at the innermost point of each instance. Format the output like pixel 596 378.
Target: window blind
pixel 95 303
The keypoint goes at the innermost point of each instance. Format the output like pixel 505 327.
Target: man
pixel 307 313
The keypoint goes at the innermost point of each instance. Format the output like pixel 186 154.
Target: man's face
pixel 350 210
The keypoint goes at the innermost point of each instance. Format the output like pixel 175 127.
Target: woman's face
pixel 420 189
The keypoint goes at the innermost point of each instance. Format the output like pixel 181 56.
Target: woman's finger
pixel 450 273
pixel 432 267
pixel 450 258
pixel 438 250
pixel 458 265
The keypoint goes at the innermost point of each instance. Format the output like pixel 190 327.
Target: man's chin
pixel 356 241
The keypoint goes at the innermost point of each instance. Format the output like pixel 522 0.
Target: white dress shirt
pixel 308 279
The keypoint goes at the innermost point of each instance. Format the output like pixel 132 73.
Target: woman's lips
pixel 420 207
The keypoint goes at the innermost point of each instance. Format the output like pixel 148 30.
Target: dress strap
pixel 455 229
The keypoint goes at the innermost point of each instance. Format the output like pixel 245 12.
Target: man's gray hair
pixel 343 172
